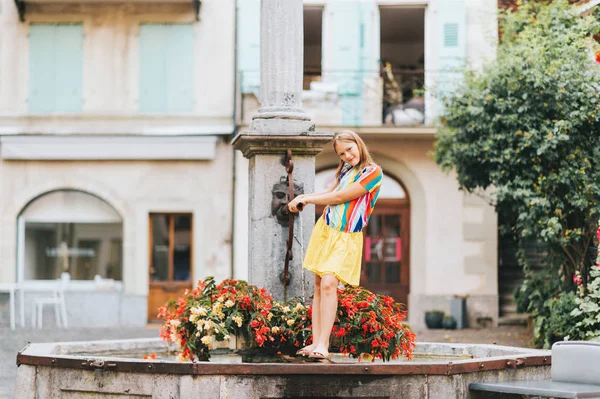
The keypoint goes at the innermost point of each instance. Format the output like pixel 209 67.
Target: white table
pixel 11 288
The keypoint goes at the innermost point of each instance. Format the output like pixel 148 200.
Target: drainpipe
pixel 235 129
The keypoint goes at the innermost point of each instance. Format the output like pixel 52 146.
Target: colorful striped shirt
pixel 353 216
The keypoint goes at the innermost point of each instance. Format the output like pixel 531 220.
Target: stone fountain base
pixel 101 369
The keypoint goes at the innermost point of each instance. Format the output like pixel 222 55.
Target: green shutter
pixel 354 55
pixel 452 42
pixel 344 17
pixel 55 68
pixel 166 68
pixel 248 42
pixel 153 85
pixel 180 68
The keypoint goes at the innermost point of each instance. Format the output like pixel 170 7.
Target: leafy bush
pixel 588 301
pixel 523 133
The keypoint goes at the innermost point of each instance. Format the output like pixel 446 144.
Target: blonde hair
pixel 351 137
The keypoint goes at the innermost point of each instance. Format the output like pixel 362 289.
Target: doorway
pixel 170 259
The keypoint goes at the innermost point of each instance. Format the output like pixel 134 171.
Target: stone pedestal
pixel 267 237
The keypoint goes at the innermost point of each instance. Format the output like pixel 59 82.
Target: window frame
pixel 171 271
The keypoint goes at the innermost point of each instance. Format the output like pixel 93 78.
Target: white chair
pixel 57 299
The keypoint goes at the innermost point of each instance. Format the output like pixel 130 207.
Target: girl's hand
pixel 294 205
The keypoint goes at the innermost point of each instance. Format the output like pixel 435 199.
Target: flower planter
pixel 434 319
pixel 449 323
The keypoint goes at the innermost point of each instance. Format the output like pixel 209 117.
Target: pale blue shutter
pixel 166 68
pixel 69 68
pixel 248 42
pixel 41 68
pixel 452 44
pixel 153 68
pixel 180 68
pixel 370 38
pixel 353 55
pixel 55 68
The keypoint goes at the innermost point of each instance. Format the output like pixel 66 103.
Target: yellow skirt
pixel 335 252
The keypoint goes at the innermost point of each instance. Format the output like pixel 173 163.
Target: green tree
pixel 525 129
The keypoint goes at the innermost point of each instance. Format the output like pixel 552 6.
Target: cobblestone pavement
pixel 13 341
pixel 504 335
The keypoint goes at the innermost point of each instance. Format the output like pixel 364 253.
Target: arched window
pixel 70 231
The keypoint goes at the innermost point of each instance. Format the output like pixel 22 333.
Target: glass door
pixel 170 258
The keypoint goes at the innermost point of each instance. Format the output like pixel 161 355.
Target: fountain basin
pixel 115 369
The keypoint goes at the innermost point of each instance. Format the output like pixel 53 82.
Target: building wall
pixel 111 60
pixel 134 186
pixel 135 189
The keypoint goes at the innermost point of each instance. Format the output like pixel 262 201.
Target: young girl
pixel 334 252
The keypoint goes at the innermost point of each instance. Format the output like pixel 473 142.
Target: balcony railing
pixel 353 99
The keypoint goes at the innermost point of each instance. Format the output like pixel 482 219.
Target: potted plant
pixel 449 323
pixel 434 318
pixel 367 325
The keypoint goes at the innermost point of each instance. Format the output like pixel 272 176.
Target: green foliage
pixel 550 302
pixel 527 126
pixel 588 309
pixel 525 129
pixel 560 323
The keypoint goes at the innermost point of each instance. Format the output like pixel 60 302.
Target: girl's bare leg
pixel 328 307
pixel 316 318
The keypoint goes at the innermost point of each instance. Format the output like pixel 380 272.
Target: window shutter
pixel 248 39
pixel 180 68
pixel 350 52
pixel 55 68
pixel 166 68
pixel 69 68
pixel 153 65
pixel 452 44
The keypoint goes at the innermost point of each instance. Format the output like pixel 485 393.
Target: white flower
pixel 286 309
pixel 206 340
pixel 175 323
pixel 275 330
pixel 200 311
pixel 226 337
pixel 237 319
pixel 298 307
pixel 229 303
pixel 290 322
pixel 220 299
pixel 181 358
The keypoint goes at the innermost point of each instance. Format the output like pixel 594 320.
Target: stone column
pixel 279 124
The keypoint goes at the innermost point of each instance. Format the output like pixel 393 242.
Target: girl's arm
pixel 351 192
